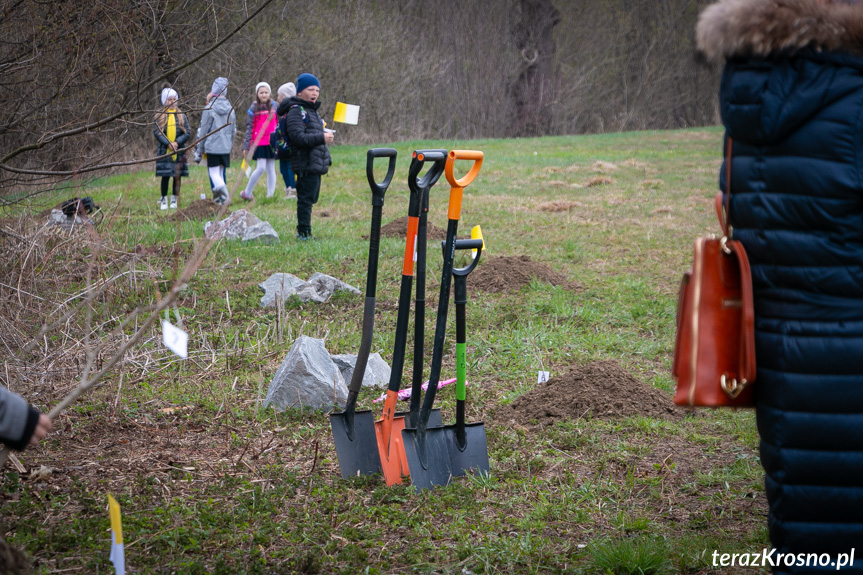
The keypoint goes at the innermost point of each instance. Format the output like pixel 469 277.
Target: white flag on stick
pixel 346 113
pixel 118 555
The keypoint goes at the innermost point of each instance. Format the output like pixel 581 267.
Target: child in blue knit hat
pixel 310 157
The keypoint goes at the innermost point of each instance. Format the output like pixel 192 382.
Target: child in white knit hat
pixel 171 131
pixel 261 122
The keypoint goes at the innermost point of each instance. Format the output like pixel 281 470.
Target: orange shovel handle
pixel 458 185
pixel 410 241
pixel 387 423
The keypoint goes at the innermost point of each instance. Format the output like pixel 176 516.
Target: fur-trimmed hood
pixel 763 27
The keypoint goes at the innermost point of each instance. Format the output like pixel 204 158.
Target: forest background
pixel 79 82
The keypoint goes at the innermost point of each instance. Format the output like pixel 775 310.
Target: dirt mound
pixel 510 273
pixel 13 561
pixel 198 210
pixel 399 227
pixel 601 390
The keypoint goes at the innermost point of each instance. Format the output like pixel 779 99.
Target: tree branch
pixel 99 123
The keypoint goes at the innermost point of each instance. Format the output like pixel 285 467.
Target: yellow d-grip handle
pixel 458 186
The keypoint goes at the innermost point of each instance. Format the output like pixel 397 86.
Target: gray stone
pixel 318 289
pixel 307 378
pixel 241 225
pixel 58 218
pixel 325 284
pixel 231 228
pixel 263 232
pixel 377 370
pixel 279 285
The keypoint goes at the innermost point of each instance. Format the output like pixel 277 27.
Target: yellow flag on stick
pixel 118 557
pixel 346 113
pixel 476 234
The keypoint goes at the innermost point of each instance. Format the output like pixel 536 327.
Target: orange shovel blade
pixel 388 430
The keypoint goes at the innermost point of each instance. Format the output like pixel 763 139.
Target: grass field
pixel 210 482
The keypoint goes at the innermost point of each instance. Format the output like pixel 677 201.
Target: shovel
pixel 387 430
pixel 425 447
pixel 466 443
pixel 420 189
pixel 354 431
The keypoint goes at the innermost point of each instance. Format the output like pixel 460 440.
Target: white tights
pixel 270 167
pixel 217 174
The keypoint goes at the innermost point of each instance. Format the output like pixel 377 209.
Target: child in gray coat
pixel 20 424
pixel 219 113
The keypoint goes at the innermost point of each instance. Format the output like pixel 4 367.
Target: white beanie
pixel 287 90
pixel 258 87
pixel 168 93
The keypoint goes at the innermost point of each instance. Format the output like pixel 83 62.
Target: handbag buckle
pixel 731 386
pixel 723 245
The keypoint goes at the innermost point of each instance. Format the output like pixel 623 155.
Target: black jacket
pixel 167 166
pixel 792 108
pixel 309 153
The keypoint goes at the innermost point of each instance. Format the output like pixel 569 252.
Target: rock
pixel 279 285
pixel 307 378
pixel 263 232
pixel 319 288
pixel 328 285
pixel 58 218
pixel 377 371
pixel 242 225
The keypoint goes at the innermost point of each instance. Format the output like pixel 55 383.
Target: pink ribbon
pixel 406 393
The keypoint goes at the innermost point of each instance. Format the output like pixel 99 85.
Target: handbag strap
pixel 730 246
pixel 721 201
pixel 747 320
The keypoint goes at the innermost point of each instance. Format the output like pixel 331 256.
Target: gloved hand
pixel 198 157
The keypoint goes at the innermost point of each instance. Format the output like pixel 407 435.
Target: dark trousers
pixel 174 190
pixel 287 173
pixel 308 189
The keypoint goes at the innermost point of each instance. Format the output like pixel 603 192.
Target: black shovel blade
pixel 473 455
pixel 358 452
pixel 434 418
pixel 428 458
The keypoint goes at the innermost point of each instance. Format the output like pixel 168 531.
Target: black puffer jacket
pixel 167 166
pixel 791 100
pixel 309 153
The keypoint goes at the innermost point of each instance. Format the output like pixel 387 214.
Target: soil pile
pixel 13 561
pixel 601 390
pixel 508 274
pixel 398 229
pixel 198 210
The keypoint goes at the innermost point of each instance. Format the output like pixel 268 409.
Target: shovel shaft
pixel 368 311
pixel 410 246
pixel 419 310
pixel 440 327
pixel 401 335
pixel 461 357
pixel 374 251
pixel 363 355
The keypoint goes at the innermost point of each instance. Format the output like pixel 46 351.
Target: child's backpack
pixel 280 144
pixel 78 206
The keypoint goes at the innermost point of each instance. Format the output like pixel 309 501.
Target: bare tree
pixel 536 86
pixel 78 83
pixel 78 86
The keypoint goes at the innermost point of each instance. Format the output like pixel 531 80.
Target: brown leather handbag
pixel 714 352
